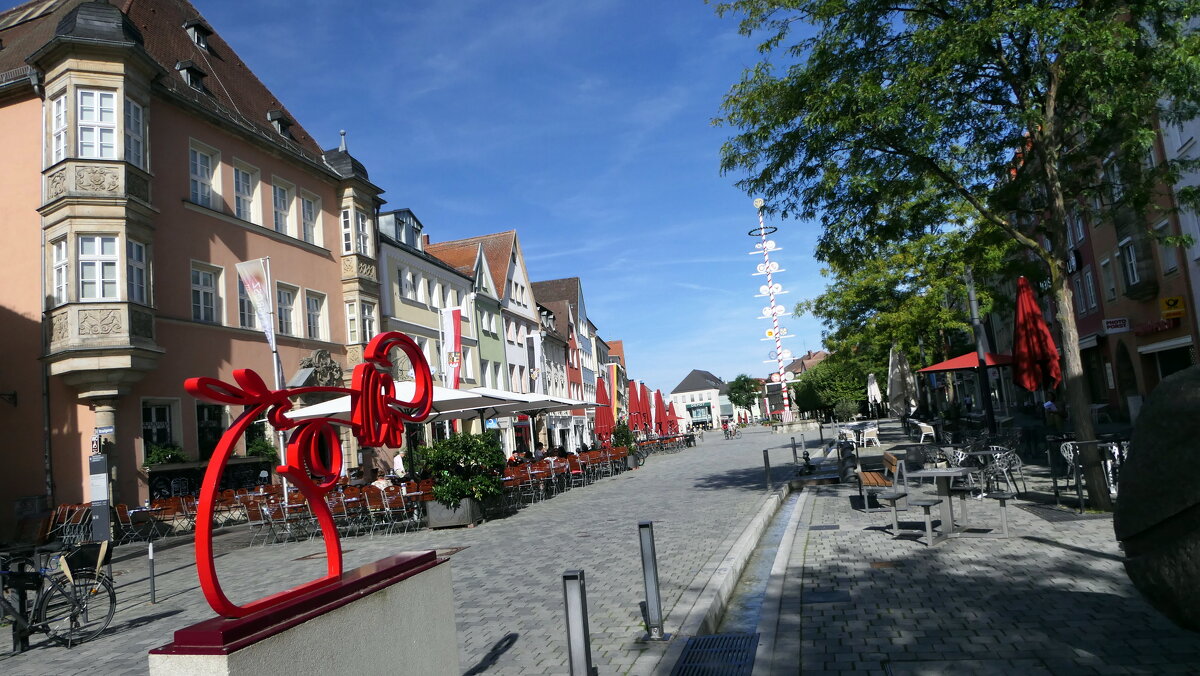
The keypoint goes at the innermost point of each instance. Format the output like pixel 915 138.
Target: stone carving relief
pixel 56 185
pixel 58 327
pixel 99 322
pixel 326 371
pixel 347 266
pixel 354 355
pixel 141 325
pixel 96 179
pixel 366 270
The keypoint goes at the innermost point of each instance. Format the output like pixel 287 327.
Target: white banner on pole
pixel 257 280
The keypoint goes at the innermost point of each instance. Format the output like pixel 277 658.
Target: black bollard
pixel 767 466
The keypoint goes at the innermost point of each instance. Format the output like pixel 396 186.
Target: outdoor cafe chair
pixel 377 516
pixel 126 531
pixel 870 434
pixel 260 526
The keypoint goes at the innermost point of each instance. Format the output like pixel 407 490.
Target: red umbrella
pixel 604 416
pixel 635 409
pixel 968 361
pixel 660 414
pixel 1035 358
pixel 672 419
pixel 645 403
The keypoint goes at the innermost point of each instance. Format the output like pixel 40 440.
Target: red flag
pixel 1035 358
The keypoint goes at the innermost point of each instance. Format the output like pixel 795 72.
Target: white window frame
pixel 281 210
pixel 247 318
pixel 466 370
pixel 347 233
pixel 1128 249
pixel 435 296
pixel 352 322
pixel 286 311
pixel 422 289
pixel 136 272
pixel 368 320
pixel 107 279
pixel 1168 262
pixel 203 187
pixel 245 192
pixel 362 231
pixel 60 262
pixel 409 286
pixel 96 131
pixel 58 127
pixel 135 133
pixel 314 322
pixel 1108 279
pixel 310 218
pixel 197 275
pixel 1089 288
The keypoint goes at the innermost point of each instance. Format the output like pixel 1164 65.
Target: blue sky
pixel 583 125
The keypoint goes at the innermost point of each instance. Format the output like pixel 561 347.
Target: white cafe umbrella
pixel 902 385
pixel 445 400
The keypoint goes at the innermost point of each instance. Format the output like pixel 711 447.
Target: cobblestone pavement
pixel 1052 599
pixel 507 574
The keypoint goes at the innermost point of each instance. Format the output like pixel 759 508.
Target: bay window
pixel 97 124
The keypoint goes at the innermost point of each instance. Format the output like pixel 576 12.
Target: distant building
pixel 701 399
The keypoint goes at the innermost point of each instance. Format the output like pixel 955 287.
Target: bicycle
pixel 74 602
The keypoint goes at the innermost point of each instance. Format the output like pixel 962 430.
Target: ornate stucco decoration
pixel 56 184
pixel 99 322
pixel 326 372
pixel 96 179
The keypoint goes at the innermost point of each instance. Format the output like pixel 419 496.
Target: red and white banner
pixel 256 277
pixel 451 320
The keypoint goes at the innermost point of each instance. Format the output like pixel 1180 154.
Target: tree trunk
pixel 1077 399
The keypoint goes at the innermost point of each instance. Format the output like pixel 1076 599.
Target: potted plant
pixel 467 469
pixel 623 437
pixel 162 454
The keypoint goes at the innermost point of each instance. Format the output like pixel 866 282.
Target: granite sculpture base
pixel 395 615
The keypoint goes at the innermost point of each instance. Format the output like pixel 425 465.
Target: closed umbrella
pixel 646 404
pixel 902 385
pixel 672 418
pixel 635 409
pixel 874 396
pixel 1035 358
pixel 604 416
pixel 660 414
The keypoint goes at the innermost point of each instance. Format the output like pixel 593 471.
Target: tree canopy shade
pixel 884 120
pixel 743 391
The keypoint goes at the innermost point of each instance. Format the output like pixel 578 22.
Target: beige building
pixel 142 162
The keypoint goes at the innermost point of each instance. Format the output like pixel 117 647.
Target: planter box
pixel 468 513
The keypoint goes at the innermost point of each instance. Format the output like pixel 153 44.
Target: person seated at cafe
pixel 398 469
pixel 381 481
pixel 539 451
pixel 560 452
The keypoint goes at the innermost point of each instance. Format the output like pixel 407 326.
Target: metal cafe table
pixel 943 477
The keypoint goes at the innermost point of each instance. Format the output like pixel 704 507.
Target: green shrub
pixel 622 436
pixel 465 466
pixel 262 448
pixel 161 454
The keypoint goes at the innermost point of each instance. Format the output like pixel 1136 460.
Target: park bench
pixel 891 475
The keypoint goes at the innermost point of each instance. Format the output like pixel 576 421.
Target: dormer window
pixel 198 32
pixel 280 121
pixel 192 74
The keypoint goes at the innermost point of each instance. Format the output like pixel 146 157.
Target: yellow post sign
pixel 1172 307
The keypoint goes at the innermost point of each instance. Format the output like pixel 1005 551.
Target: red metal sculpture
pixel 376 419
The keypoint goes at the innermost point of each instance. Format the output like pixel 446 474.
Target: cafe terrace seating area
pixel 357 510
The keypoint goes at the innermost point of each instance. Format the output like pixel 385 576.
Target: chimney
pixel 424 241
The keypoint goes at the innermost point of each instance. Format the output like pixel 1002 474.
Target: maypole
pixel 773 310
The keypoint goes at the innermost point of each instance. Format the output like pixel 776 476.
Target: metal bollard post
pixel 767 466
pixel 795 459
pixel 652 606
pixel 579 641
pixel 151 553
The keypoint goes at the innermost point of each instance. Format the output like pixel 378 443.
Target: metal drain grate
pixel 719 655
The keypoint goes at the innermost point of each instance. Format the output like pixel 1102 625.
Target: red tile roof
pixel 497 250
pixel 234 93
pixel 457 255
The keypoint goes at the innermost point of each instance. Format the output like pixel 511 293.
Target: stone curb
pixel 767 655
pixel 712 586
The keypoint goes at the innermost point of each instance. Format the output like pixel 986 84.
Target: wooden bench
pixel 891 475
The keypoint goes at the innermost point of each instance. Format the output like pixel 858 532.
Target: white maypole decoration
pixel 773 310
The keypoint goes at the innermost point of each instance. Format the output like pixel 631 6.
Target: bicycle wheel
pixel 74 612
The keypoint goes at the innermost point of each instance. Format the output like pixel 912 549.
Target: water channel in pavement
pixel 745 605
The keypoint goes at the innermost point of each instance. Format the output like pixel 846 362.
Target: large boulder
pixel 1157 517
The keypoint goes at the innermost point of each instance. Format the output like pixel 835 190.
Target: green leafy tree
pixel 743 391
pixel 833 381
pixel 883 119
